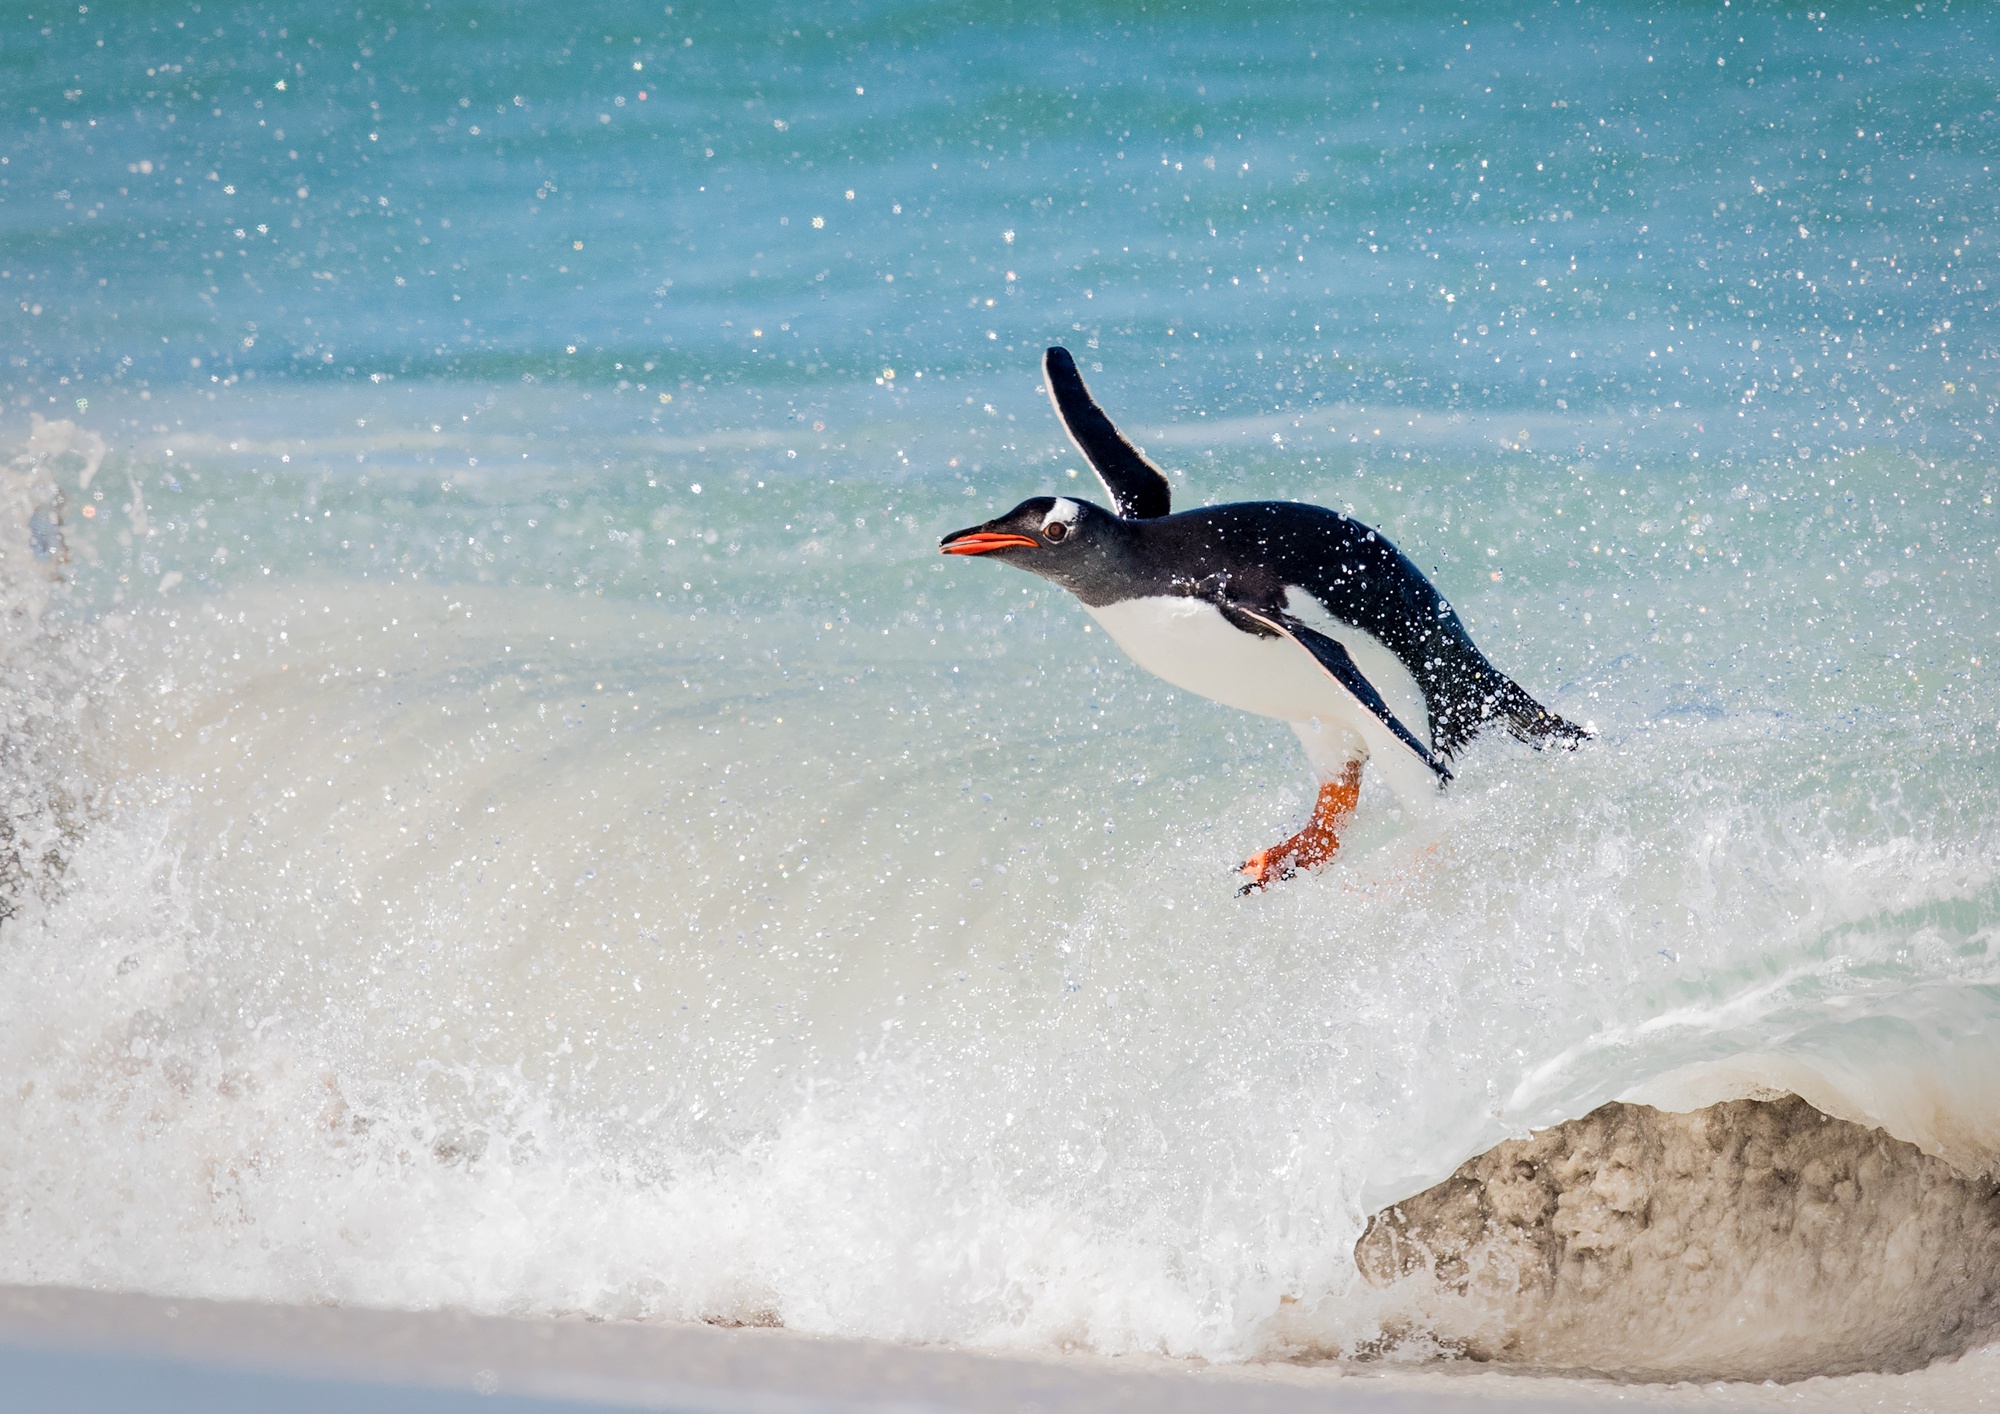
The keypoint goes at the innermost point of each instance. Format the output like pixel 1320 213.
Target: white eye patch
pixel 1063 512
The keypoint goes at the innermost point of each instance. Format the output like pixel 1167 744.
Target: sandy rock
pixel 1749 1240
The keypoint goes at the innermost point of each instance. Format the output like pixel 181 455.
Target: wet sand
pixel 222 1355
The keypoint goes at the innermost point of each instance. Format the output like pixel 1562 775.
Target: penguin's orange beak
pixel 983 542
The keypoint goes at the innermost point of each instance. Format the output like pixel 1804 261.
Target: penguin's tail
pixel 1528 719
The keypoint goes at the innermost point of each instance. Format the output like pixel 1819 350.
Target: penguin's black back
pixel 1251 552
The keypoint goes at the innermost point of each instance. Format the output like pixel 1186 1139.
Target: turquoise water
pixel 506 806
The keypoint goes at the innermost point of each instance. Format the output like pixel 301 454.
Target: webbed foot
pixel 1311 847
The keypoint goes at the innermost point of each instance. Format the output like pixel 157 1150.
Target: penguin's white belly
pixel 1189 643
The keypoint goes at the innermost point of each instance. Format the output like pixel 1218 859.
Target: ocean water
pixel 507 808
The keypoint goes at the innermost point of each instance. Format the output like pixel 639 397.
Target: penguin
pixel 1278 608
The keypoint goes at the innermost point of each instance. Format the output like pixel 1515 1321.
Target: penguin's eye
pixel 1055 530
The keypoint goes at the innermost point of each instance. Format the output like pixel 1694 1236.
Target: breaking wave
pixel 534 950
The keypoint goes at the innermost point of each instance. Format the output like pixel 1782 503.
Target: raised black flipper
pixel 1139 490
pixel 1339 666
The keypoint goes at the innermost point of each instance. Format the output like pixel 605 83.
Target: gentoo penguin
pixel 1274 607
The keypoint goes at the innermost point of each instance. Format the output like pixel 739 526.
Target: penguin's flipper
pixel 1339 666
pixel 1139 490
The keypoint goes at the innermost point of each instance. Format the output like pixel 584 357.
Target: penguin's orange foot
pixel 1311 847
pixel 1308 849
pixel 1268 866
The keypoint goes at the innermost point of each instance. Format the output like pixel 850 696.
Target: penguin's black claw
pixel 1272 866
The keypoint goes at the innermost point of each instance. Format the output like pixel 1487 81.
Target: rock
pixel 1754 1239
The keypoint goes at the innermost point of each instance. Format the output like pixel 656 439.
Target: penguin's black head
pixel 1052 536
